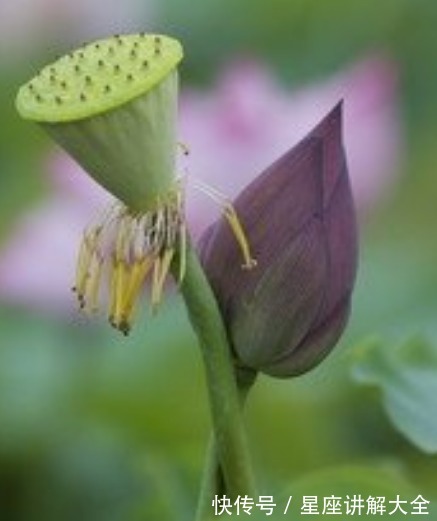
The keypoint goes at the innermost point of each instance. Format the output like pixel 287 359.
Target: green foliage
pixel 88 424
pixel 406 376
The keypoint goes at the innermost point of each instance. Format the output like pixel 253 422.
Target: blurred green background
pixel 95 427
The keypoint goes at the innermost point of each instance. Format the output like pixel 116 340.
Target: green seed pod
pixel 113 105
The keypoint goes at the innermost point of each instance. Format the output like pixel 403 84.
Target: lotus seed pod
pixel 112 105
pixel 286 315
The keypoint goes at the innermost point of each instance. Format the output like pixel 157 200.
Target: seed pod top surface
pixel 98 77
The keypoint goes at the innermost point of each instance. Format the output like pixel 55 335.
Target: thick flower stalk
pixel 285 316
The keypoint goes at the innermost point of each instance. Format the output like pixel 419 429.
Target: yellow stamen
pixel 86 252
pixel 81 269
pixel 182 252
pixel 137 276
pixel 160 272
pixel 165 267
pixel 112 292
pixel 232 218
pixel 125 247
pixel 155 297
pixel 237 229
pixel 184 148
pixel 122 239
pixel 93 284
pixel 121 274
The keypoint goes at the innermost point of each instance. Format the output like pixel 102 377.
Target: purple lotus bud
pixel 285 315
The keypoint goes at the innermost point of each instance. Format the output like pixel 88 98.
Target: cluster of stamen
pixel 129 248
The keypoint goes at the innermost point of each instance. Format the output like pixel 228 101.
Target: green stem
pixel 229 433
pixel 212 482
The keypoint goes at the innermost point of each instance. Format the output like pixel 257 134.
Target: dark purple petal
pixel 314 348
pixel 329 131
pixel 287 294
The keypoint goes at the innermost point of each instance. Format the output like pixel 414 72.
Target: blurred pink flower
pixel 37 264
pixel 233 132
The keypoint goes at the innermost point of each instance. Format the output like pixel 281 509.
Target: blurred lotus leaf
pixel 406 375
